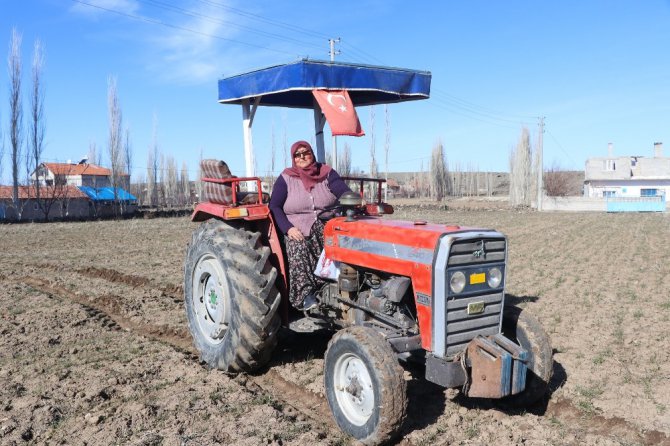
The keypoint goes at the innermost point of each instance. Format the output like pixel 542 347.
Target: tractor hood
pixel 399 246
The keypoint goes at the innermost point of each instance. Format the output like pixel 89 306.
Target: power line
pixel 451 108
pixel 277 23
pixel 479 109
pixel 195 14
pixel 160 22
pixel 560 146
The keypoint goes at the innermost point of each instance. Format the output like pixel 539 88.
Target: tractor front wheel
pixel 230 297
pixel 365 385
pixel 521 327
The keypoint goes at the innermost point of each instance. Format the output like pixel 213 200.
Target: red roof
pixel 29 192
pixel 77 169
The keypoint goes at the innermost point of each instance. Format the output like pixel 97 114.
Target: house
pixel 68 191
pixel 80 174
pixel 628 176
pixel 56 202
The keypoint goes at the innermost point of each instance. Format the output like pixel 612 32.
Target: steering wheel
pixel 348 204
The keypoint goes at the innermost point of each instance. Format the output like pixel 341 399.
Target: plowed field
pixel 94 346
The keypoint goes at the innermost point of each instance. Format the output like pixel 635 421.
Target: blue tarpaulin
pixel 291 85
pixel 107 194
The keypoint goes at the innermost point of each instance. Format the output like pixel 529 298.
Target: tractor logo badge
pixel 481 252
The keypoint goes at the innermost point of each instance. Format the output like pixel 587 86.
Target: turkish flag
pixel 340 112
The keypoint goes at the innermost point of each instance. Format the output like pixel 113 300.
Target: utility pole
pixel 540 168
pixel 332 54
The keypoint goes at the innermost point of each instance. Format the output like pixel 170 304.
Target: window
pixel 609 193
pixel 648 192
pixel 609 165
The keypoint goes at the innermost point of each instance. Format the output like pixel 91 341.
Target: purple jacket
pixel 293 206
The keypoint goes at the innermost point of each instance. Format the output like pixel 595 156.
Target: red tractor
pixel 400 290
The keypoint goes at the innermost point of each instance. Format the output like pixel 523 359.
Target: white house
pixel 81 174
pixel 628 176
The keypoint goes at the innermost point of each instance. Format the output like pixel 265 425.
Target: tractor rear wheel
pixel 230 297
pixel 521 327
pixel 365 385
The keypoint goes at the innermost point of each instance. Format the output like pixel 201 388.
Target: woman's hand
pixel 295 234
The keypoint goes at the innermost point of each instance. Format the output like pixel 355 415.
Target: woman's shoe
pixel 309 303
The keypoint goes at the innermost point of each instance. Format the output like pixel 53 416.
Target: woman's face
pixel 303 157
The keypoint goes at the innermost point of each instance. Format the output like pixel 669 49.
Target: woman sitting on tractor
pixel 300 193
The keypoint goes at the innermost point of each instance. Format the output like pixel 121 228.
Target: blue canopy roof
pixel 291 85
pixel 107 193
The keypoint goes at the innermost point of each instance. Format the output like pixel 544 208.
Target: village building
pixel 628 176
pixel 55 202
pixel 80 174
pixel 62 191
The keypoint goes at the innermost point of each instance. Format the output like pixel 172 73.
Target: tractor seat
pixel 223 193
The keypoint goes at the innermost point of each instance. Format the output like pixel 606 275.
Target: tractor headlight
pixel 494 277
pixel 457 282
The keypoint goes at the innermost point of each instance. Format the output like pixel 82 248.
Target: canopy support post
pixel 319 123
pixel 247 120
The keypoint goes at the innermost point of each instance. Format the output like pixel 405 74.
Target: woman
pixel 298 195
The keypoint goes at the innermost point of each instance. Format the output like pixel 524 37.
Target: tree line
pixel 167 185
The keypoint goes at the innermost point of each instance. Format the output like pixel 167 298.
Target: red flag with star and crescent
pixel 340 112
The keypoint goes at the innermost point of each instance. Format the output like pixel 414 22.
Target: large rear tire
pixel 365 385
pixel 230 297
pixel 521 327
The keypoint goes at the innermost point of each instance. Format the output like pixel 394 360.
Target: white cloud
pixel 195 50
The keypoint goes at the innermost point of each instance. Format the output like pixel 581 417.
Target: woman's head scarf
pixel 310 175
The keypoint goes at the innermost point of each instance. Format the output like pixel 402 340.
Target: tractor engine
pixel 434 289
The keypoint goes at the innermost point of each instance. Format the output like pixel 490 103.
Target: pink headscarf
pixel 310 175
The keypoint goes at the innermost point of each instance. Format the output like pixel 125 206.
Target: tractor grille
pixel 463 252
pixel 461 326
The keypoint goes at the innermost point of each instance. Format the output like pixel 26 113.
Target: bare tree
pixel 2 149
pixel 373 158
pixel 139 187
pixel 521 172
pixel 557 181
pixel 151 181
pixel 155 157
pixel 438 173
pixel 15 112
pixel 37 120
pixel 171 183
pixel 273 154
pixel 284 141
pixel 184 185
pixel 387 147
pixel 92 152
pixel 115 144
pixel 162 177
pixel 344 161
pixel 198 184
pixel 128 154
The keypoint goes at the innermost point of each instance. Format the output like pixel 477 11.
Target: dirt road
pixel 94 347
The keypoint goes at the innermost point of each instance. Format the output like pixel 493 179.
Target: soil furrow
pixel 310 404
pixel 270 382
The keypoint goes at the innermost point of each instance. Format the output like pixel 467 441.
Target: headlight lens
pixel 494 277
pixel 457 282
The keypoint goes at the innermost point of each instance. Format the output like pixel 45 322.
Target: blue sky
pixel 598 71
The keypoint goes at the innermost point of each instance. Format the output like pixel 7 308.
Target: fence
pixel 612 204
pixel 636 204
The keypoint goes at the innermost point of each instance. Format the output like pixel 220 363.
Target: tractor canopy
pixel 291 85
pixel 294 85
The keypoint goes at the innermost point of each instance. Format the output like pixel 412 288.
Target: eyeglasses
pixel 304 154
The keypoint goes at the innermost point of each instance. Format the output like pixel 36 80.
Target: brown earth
pixel 94 347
